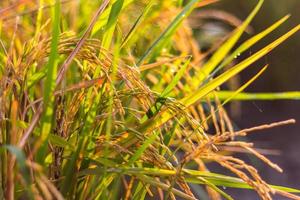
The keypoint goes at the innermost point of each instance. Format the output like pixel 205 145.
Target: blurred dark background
pixel 283 74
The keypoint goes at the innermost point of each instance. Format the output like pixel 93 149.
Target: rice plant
pixel 115 99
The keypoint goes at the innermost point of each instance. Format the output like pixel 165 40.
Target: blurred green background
pixel 283 74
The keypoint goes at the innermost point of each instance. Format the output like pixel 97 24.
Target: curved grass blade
pixel 50 82
pixel 247 44
pixel 213 84
pixel 169 31
pixel 293 95
pixel 233 182
pixel 227 181
pixel 221 53
pixel 192 98
pixel 192 177
pixel 111 23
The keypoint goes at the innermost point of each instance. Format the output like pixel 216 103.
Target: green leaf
pixel 101 23
pixel 200 93
pixel 220 54
pixel 192 176
pixel 213 84
pixel 293 95
pixel 233 182
pixel 50 82
pixel 111 23
pixel 159 43
pixel 249 43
